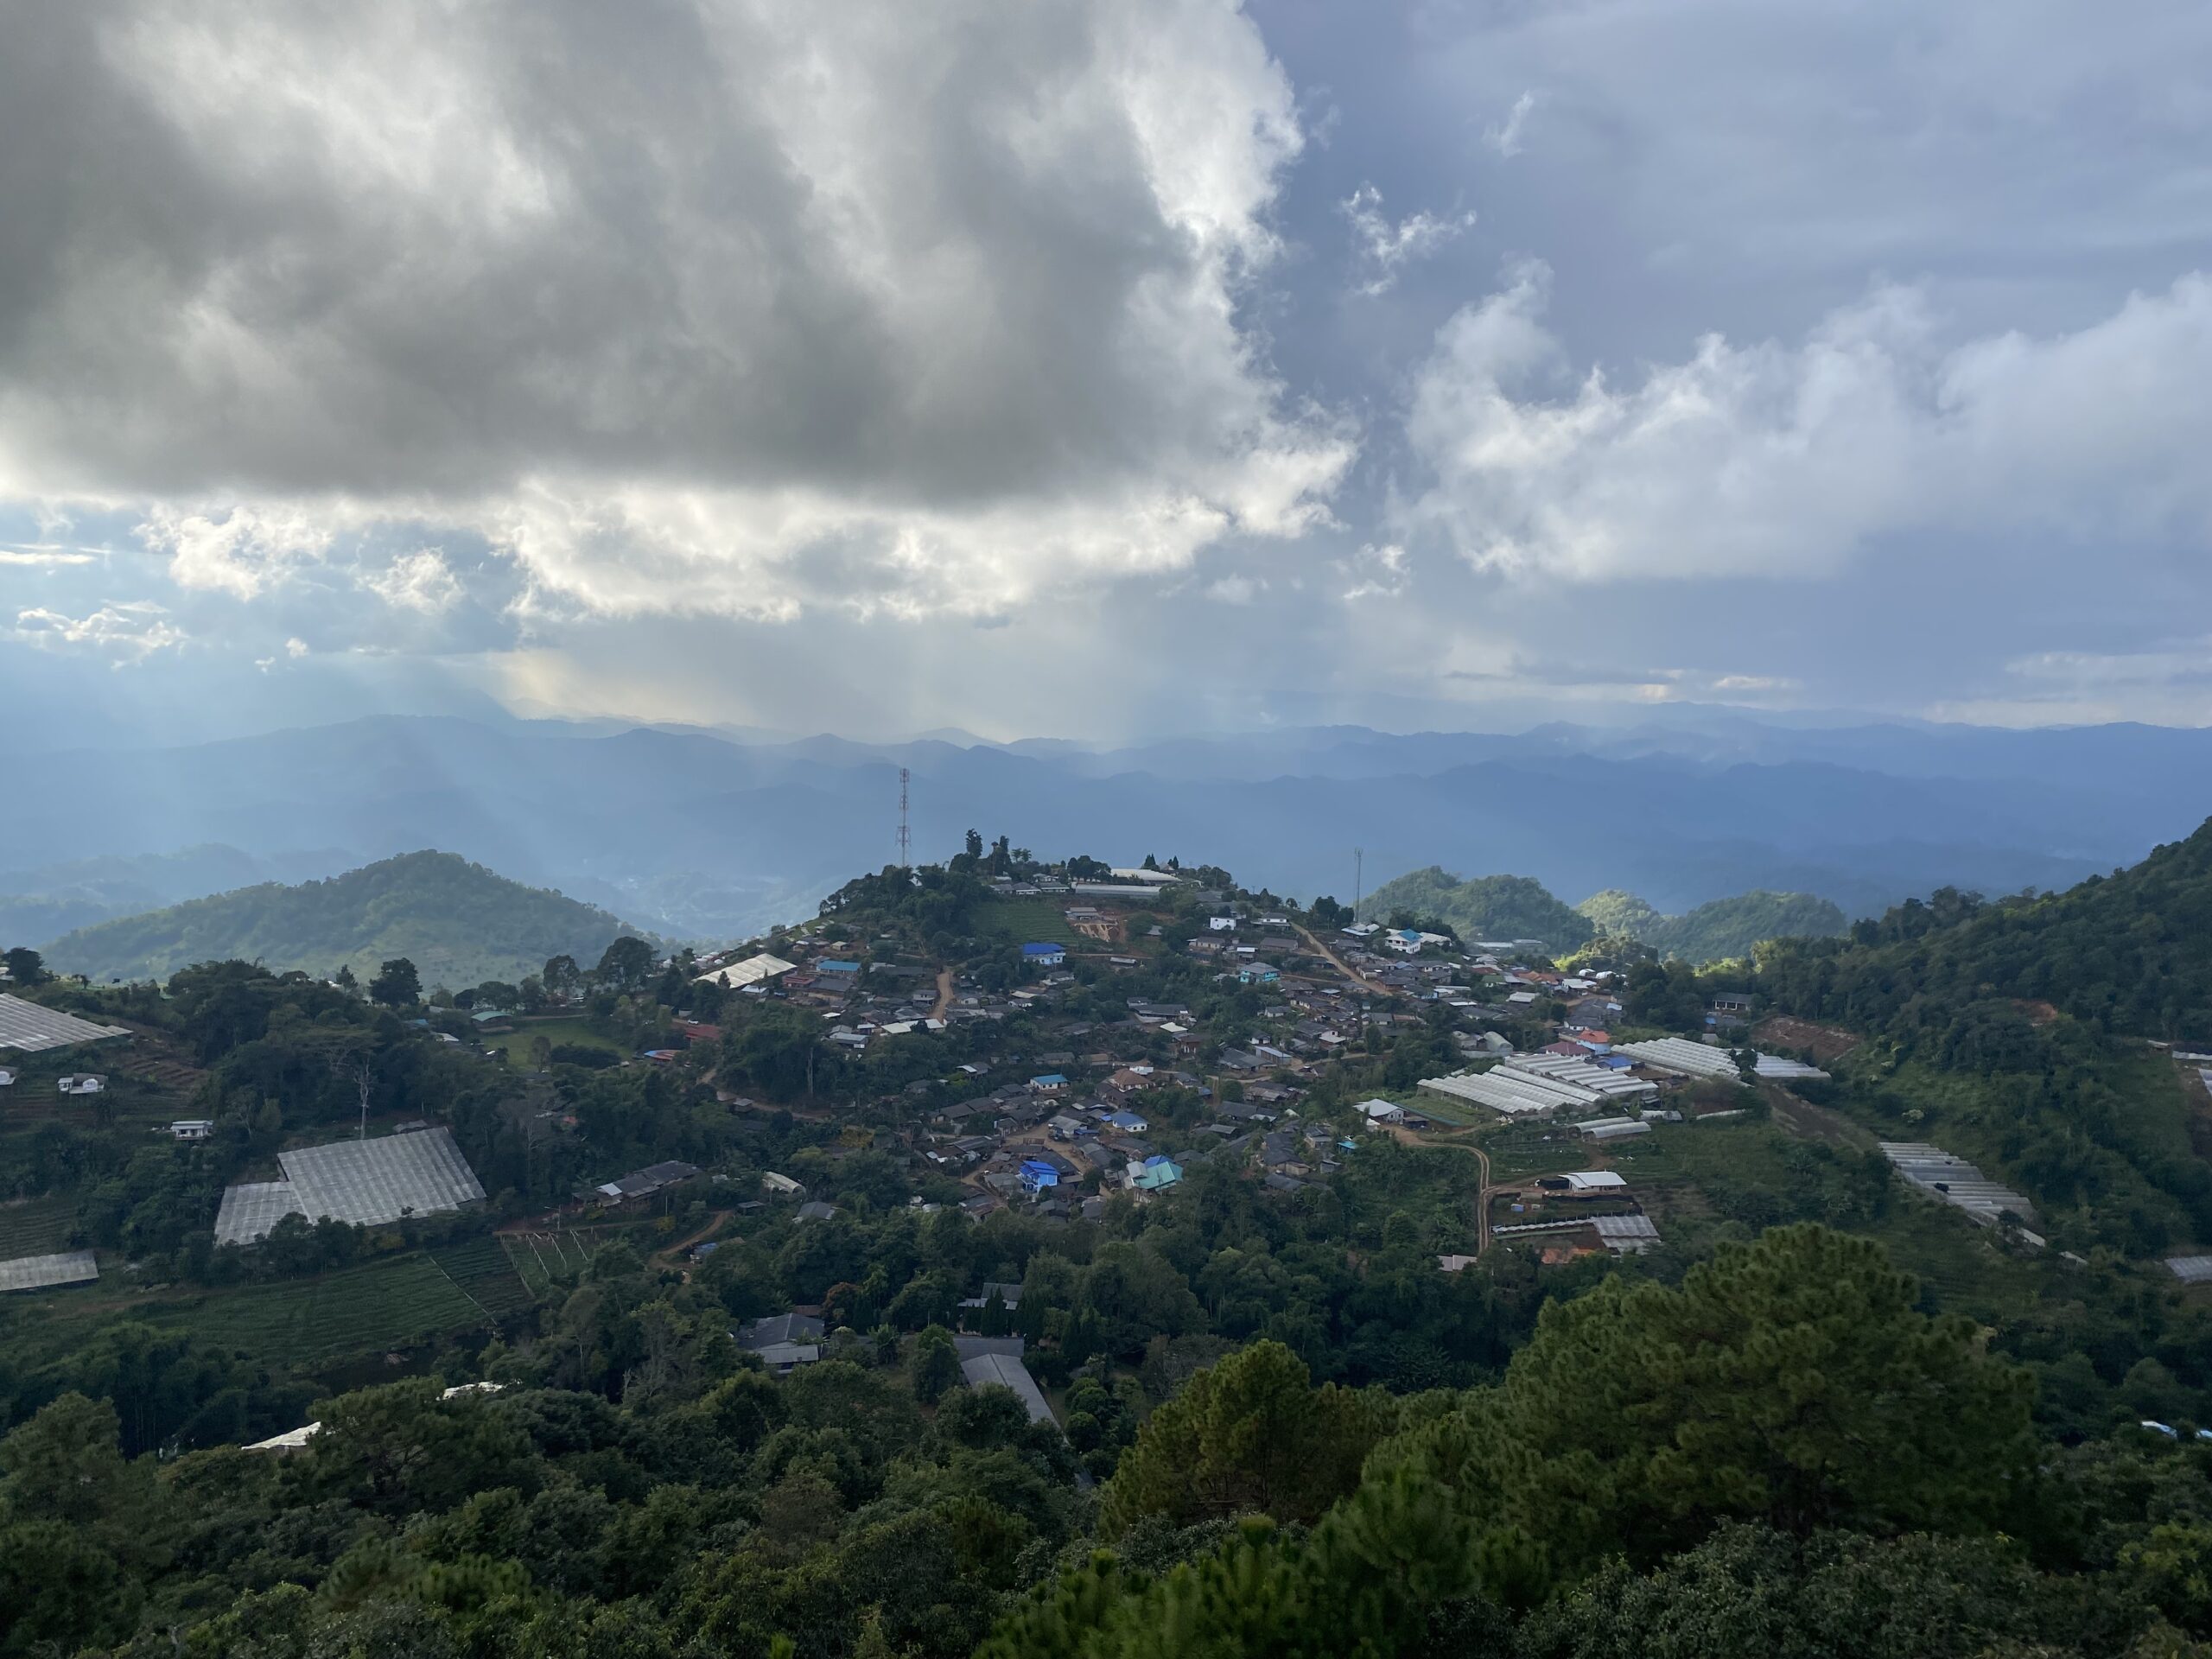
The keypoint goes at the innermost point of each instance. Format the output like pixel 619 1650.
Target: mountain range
pixel 699 834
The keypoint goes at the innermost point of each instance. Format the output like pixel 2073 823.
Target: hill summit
pixel 459 922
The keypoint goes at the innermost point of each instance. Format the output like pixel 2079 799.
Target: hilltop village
pixel 1005 1209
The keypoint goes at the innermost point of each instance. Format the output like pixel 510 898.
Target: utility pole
pixel 1358 874
pixel 906 837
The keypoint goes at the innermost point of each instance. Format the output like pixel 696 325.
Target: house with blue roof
pixel 850 969
pixel 1051 1084
pixel 1044 955
pixel 1037 1176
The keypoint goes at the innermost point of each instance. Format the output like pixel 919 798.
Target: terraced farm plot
pixel 539 1257
pixel 482 1269
pixel 36 1226
pixel 385 1305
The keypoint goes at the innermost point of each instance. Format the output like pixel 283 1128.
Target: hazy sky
pixel 1092 367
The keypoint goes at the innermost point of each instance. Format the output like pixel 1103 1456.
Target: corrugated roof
pixel 31 1027
pixel 1679 1054
pixel 252 1208
pixel 366 1183
pixel 1004 1371
pixel 37 1272
pixel 751 971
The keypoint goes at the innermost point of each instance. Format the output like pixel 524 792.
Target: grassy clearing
pixel 516 1043
pixel 1030 921
pixel 36 1226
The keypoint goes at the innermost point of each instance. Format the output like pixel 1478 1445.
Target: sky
pixel 1099 367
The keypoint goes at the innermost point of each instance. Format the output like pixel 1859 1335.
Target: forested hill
pixel 2129 954
pixel 1485 908
pixel 1519 907
pixel 1715 931
pixel 458 922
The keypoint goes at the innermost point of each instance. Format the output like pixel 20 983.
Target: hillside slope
pixel 458 922
pixel 2130 953
pixel 1484 908
pixel 1721 928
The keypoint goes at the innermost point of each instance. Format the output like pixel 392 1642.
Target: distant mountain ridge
pixel 459 922
pixel 701 834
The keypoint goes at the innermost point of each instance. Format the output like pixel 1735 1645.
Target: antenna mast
pixel 1358 875
pixel 905 836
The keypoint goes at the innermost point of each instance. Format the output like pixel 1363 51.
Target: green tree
pixel 625 965
pixel 1751 1592
pixel 1792 1380
pixel 936 1364
pixel 25 966
pixel 397 985
pixel 59 1592
pixel 1250 1436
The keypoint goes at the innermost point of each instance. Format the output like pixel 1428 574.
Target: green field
pixel 483 1271
pixel 1029 921
pixel 36 1226
pixel 516 1043
pixel 386 1304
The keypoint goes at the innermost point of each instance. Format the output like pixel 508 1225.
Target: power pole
pixel 906 837
pixel 1358 875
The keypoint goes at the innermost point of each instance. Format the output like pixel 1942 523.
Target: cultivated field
pixel 36 1226
pixel 1031 921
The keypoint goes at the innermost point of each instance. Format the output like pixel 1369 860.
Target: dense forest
pixel 460 924
pixel 1779 1453
pixel 2130 954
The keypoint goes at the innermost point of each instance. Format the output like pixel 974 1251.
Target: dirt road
pixel 944 994
pixel 1338 962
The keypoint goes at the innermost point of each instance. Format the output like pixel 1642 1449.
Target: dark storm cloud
pixel 853 264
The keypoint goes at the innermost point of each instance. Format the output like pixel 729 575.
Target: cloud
pixel 1383 249
pixel 420 581
pixel 1377 570
pixel 1768 460
pixel 240 550
pixel 743 304
pixel 45 555
pixel 1505 136
pixel 128 632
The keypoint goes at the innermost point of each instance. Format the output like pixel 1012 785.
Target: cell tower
pixel 1358 874
pixel 905 836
